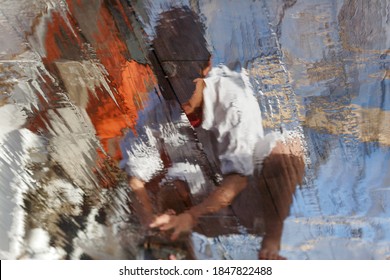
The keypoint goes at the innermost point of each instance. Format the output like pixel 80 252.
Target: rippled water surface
pixel 82 81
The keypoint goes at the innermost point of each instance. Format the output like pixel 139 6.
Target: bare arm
pixel 196 99
pixel 222 197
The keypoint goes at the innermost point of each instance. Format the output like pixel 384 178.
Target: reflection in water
pixel 81 80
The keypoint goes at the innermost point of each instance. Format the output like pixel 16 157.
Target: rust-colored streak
pixel 110 48
pixel 53 52
pixel 129 79
pixel 60 41
pixel 121 10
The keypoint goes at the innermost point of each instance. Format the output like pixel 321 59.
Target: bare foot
pixel 270 250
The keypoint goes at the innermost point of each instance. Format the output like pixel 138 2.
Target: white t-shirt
pixel 232 113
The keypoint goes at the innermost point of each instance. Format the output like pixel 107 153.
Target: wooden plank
pixel 164 85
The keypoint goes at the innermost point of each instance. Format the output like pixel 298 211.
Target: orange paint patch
pixel 129 81
pixel 109 120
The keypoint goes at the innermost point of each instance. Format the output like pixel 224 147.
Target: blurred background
pixel 81 79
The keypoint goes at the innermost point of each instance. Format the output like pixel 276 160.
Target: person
pixel 231 114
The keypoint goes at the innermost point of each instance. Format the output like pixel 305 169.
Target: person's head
pixel 180 40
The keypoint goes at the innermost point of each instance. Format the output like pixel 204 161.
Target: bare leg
pixel 142 203
pixel 282 171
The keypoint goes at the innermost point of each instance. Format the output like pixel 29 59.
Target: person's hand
pixel 198 80
pixel 182 223
pixel 187 108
